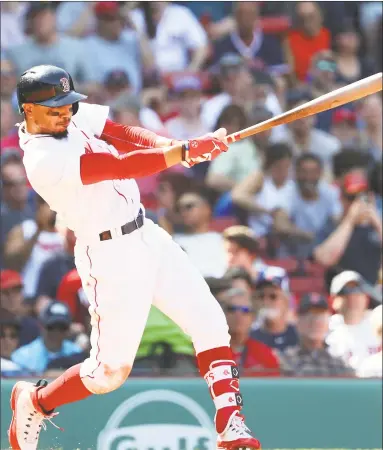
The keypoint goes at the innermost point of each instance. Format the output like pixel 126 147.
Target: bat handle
pixel 233 138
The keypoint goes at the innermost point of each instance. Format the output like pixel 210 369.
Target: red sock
pixel 67 388
pixel 207 361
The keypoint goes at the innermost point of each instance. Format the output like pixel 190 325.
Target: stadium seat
pixel 221 223
pixel 301 285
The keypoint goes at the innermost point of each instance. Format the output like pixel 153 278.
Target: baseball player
pixel 84 166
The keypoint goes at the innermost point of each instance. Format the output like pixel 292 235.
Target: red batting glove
pixel 201 146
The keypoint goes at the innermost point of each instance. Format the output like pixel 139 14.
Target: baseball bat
pixel 339 97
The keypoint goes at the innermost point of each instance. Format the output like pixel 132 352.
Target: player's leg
pixel 119 289
pixel 182 294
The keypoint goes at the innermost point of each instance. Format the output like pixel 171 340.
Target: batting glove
pixel 202 149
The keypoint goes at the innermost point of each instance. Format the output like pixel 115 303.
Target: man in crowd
pixel 204 247
pixel 355 242
pixel 313 205
pixel 352 337
pixel 311 356
pixel 52 344
pixel 372 366
pixel 254 358
pixel 273 327
pixel 12 302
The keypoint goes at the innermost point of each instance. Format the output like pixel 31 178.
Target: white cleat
pixel 237 436
pixel 27 419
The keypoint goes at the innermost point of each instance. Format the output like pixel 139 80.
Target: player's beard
pixel 61 135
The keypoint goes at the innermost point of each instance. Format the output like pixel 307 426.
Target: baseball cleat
pixel 237 436
pixel 27 418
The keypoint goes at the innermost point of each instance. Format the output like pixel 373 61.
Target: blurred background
pixel 286 227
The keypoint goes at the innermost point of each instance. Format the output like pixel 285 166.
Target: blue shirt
pixel 280 341
pixel 35 357
pixel 123 54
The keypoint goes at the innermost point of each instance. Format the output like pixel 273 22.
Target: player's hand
pixel 205 148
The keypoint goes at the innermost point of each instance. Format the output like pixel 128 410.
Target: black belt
pixel 125 229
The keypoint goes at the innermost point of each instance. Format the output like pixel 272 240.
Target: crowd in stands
pixel 286 227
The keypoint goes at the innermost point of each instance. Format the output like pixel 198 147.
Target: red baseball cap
pixel 344 115
pixel 106 9
pixel 10 279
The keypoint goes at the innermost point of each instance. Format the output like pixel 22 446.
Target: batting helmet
pixel 47 86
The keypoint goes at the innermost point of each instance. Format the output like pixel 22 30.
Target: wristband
pixel 185 151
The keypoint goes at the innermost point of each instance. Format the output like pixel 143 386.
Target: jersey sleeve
pixel 49 164
pixel 91 117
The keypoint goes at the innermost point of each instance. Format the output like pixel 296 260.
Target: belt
pixel 124 229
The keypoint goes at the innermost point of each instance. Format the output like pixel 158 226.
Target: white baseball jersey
pixel 53 169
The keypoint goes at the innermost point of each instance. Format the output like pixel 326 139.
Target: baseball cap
pixel 10 279
pixel 187 83
pixel 312 300
pixel 230 61
pixel 56 313
pixel 273 276
pixel 343 115
pixel 117 79
pixel 339 282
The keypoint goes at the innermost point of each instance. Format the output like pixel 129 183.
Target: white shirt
pixel 180 128
pixel 353 343
pixel 178 32
pixel 48 243
pixel 206 251
pixel 270 197
pixel 371 367
pixel 53 169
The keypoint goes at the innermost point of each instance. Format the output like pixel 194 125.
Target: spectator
pixel 261 193
pixel 351 338
pixel 372 134
pixel 53 343
pixel 171 186
pixel 264 92
pixel 112 47
pixel 218 287
pixel 53 270
pixel 244 157
pixel 204 247
pixel 8 79
pixel 75 18
pixel 252 357
pixel 188 122
pixel 128 109
pixel 262 51
pixel 10 339
pixel 178 40
pixel 236 82
pixel 304 138
pixel 311 356
pixel 376 185
pixel 314 204
pixel 273 327
pixel 372 366
pixel 344 128
pixel 14 203
pixel 116 83
pixel 306 39
pixel 354 243
pixel 31 243
pixel 12 302
pixel 46 46
pixel 349 66
pixel 12 26
pixel 241 279
pixel 8 119
pixel 349 159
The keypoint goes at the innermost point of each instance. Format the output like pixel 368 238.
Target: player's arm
pixel 127 139
pixel 97 167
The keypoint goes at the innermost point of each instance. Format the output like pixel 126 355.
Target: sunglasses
pixel 58 327
pixel 272 296
pixel 326 66
pixel 242 309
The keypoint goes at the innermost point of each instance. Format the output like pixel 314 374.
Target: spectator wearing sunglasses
pixel 204 247
pixel 10 339
pixel 352 338
pixel 12 302
pixel 253 358
pixel 311 356
pixel 273 326
pixel 53 343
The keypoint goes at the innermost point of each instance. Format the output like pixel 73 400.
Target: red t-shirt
pixel 257 360
pixel 304 47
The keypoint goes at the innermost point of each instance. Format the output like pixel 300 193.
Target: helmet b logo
pixel 65 84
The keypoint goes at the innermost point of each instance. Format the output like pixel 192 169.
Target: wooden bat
pixel 350 93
